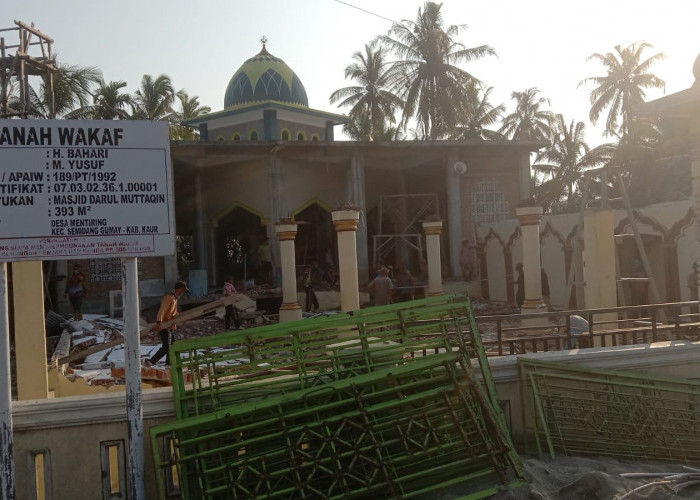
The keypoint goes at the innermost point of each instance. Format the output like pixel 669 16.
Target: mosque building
pixel 268 156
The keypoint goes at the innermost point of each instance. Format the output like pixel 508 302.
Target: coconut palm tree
pixel 72 88
pixel 358 127
pixel 622 88
pixel 154 99
pixel 108 103
pixel 190 108
pixel 529 122
pixel 373 104
pixel 477 114
pixel 563 164
pixel 427 77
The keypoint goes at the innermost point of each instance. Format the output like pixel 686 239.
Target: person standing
pixel 231 311
pixel 266 262
pixel 76 291
pixel 545 289
pixel 465 260
pixel 167 311
pixel 381 287
pixel 520 285
pixel 404 284
pixel 311 299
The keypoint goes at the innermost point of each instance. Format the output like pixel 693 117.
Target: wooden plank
pixel 178 320
pixel 63 346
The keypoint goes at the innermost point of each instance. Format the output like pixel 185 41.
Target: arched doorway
pixel 235 245
pixel 316 243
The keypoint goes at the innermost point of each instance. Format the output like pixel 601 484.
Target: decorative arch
pixel 644 220
pixel 549 230
pixel 223 213
pixel 678 228
pixel 511 241
pixel 316 240
pixel 315 138
pixel 489 236
pixel 253 135
pixel 220 138
pixel 483 263
pixel 570 237
pixel 313 201
pixel 301 135
pixel 285 135
pixel 236 136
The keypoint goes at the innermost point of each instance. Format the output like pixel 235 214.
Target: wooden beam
pixel 178 320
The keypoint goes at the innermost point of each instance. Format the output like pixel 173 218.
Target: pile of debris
pixel 92 349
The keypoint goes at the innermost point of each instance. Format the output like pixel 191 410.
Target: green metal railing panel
pixel 246 365
pixel 580 410
pixel 398 432
pixel 399 377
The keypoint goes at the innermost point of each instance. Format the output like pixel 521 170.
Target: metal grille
pixel 585 411
pixel 245 365
pixel 419 428
pixel 380 402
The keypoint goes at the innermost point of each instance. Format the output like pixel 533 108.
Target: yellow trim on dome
pixel 254 70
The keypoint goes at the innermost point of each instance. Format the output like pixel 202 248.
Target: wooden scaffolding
pixel 28 52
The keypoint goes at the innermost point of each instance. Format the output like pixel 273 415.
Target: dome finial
pixel 263 52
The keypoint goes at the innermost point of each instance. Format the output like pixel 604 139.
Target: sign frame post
pixel 84 189
pixel 7 474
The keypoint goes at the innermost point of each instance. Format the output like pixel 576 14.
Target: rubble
pixel 107 367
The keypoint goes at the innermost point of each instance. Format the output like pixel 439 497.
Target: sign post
pixel 76 189
pixel 7 472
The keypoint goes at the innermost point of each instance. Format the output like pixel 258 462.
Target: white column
pixel 695 173
pixel 286 233
pixel 356 195
pixel 345 222
pixel 453 188
pixel 599 277
pixel 529 218
pixel 432 232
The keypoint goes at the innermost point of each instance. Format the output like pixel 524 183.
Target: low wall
pixel 72 432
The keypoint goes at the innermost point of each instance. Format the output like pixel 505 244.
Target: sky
pixel 200 45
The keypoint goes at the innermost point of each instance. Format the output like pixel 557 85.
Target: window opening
pixel 113 470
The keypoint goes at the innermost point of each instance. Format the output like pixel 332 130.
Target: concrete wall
pixel 663 226
pixel 70 432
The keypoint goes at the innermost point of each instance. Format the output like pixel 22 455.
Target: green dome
pixel 264 77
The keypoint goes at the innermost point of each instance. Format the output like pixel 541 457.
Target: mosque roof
pixel 262 105
pixel 264 77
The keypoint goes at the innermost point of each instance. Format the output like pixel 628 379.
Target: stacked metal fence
pixel 380 402
pixel 578 410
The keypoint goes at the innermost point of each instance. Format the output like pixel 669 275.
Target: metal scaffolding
pixel 406 211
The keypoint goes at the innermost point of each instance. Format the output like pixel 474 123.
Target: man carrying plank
pixel 167 312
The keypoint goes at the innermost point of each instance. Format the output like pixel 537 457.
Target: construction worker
pixel 231 311
pixel 76 291
pixel 167 311
pixel 311 299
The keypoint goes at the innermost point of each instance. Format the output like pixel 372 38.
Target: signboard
pixel 85 189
